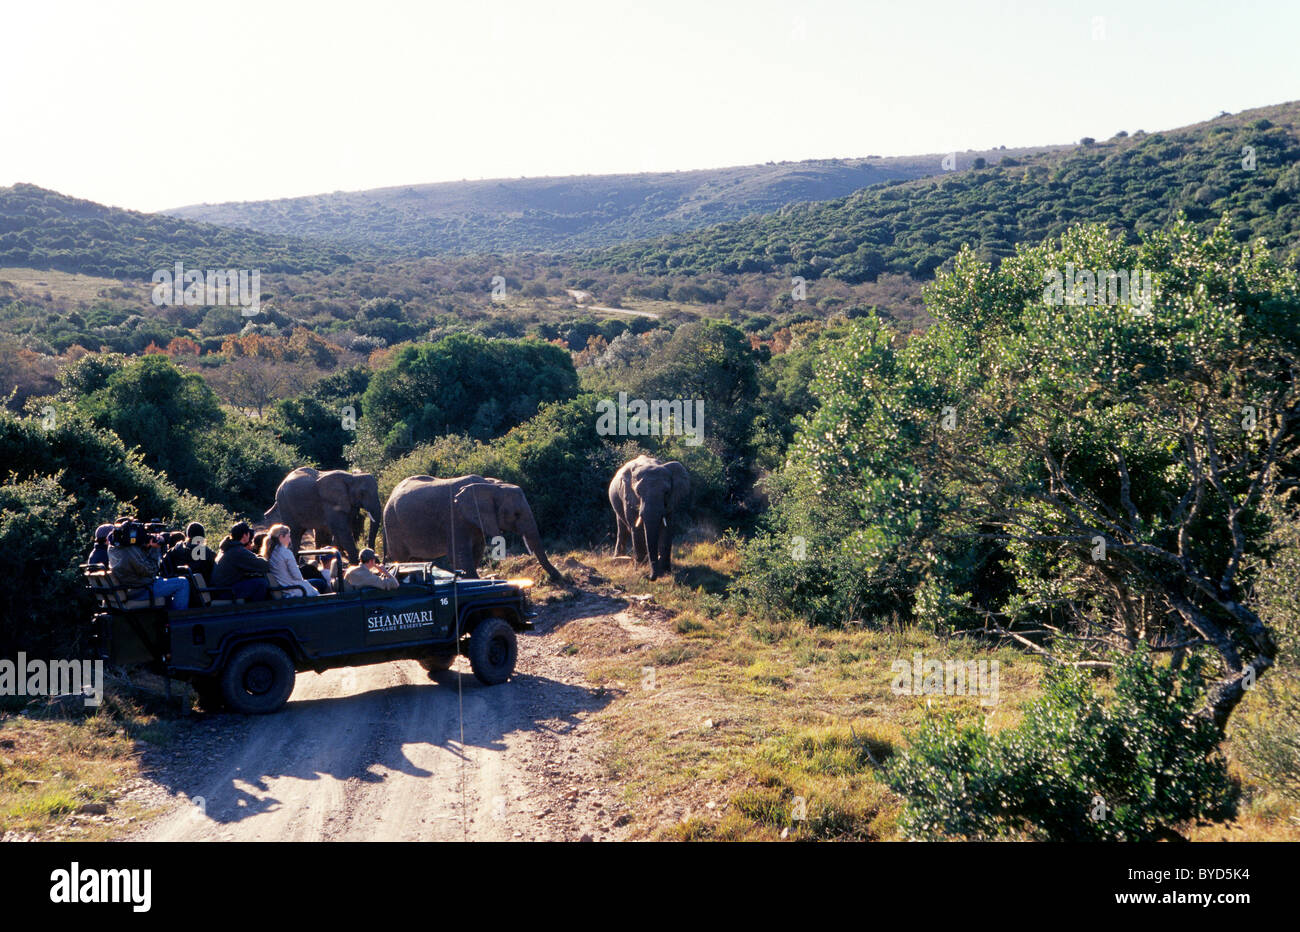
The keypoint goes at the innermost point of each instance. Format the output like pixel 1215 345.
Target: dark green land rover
pixel 245 655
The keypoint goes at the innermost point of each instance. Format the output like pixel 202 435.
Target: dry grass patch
pixel 742 717
pixel 61 768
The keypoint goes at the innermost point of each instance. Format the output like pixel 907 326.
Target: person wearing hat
pixel 99 552
pixel 192 552
pixel 369 573
pixel 239 569
pixel 133 559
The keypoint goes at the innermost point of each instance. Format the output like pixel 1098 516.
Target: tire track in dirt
pixel 375 753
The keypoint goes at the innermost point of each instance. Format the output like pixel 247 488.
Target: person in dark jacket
pixel 193 552
pixel 99 552
pixel 133 561
pixel 239 569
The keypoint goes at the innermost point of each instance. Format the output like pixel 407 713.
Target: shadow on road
pixel 229 761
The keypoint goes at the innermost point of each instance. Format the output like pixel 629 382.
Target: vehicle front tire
pixel 492 651
pixel 258 679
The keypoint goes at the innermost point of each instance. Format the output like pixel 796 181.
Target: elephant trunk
pixel 657 540
pixel 528 531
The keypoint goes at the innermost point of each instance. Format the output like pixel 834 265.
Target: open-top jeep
pixel 245 655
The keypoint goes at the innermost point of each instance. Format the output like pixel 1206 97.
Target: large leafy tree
pixel 177 424
pixel 465 384
pixel 1063 473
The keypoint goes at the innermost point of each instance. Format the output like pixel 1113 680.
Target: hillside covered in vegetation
pixel 1245 166
pixel 514 214
pixel 43 229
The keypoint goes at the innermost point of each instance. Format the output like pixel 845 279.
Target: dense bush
pixel 176 422
pixel 1132 185
pixel 59 484
pixel 464 384
pixel 1025 465
pixel 1077 767
pixel 1267 728
pixel 42 531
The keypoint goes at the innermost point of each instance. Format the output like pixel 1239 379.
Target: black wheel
pixel 258 679
pixel 492 651
pixel 209 690
pixel 438 663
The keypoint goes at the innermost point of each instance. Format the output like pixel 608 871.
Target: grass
pixel 763 729
pixel 759 729
pixel 56 759
pixel 73 287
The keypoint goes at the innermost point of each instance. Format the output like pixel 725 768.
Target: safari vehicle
pixel 245 655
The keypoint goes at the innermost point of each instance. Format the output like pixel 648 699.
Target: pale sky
pixel 150 105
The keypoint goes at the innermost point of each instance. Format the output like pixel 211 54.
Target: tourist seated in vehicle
pixel 319 572
pixel 240 570
pixel 133 559
pixel 369 573
pixel 99 552
pixel 192 552
pixel 277 552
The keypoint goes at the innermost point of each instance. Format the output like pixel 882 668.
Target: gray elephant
pixel 647 494
pixel 427 518
pixel 329 504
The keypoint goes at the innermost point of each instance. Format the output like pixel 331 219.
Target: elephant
pixel 427 518
pixel 647 494
pixel 329 504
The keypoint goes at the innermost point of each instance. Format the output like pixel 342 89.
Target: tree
pixel 1062 473
pixel 465 383
pixel 254 383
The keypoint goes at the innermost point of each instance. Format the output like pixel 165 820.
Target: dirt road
pixel 385 753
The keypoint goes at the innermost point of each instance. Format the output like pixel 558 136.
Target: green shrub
pixel 464 384
pixel 40 531
pixel 1267 736
pixel 1077 768
pixel 60 483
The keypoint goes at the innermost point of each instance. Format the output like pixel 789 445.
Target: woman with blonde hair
pixel 284 567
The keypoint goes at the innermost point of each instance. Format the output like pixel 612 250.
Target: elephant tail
pixel 270 516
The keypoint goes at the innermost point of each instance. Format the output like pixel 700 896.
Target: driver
pixel 369 573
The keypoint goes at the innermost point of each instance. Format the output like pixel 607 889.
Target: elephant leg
pixel 478 548
pixel 295 539
pixel 340 529
pixel 464 559
pixel 666 549
pixel 622 538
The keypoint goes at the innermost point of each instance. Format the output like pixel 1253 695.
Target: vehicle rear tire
pixel 438 663
pixel 258 679
pixel 209 691
pixel 492 651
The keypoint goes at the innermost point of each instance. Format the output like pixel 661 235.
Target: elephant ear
pixel 335 490
pixel 476 505
pixel 681 489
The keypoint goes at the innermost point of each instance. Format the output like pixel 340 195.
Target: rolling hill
pixel 43 229
pixel 1245 166
pixel 508 215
